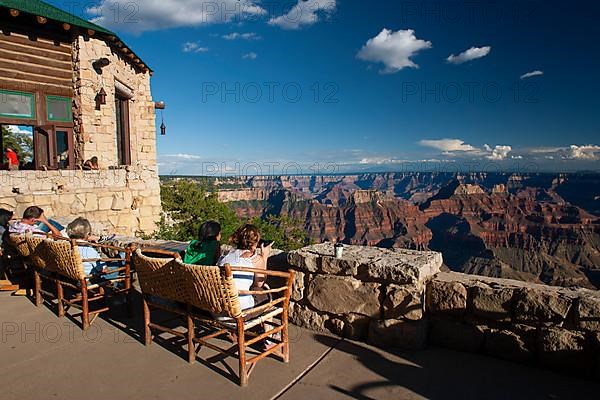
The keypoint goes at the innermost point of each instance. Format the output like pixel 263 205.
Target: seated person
pixel 32 219
pixel 245 241
pixel 207 249
pixel 5 217
pixel 81 230
pixel 91 164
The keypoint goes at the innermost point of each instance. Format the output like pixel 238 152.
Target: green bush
pixel 188 203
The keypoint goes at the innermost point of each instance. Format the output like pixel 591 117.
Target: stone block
pixel 298 286
pixel 514 345
pixel 344 295
pixel 334 266
pixel 403 302
pixel 307 318
pixel 303 260
pixel 588 313
pixel 446 297
pixel 491 303
pixel 356 326
pixel 410 335
pixel 564 349
pixel 538 306
pixel 457 335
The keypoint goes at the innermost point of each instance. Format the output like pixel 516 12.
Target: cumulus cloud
pixel 497 153
pixel 447 145
pixel 532 74
pixel 468 55
pixel 193 47
pixel 393 49
pixel 586 152
pixel 154 15
pixel 304 13
pixel 458 147
pixel 242 36
pixel 250 56
pixel 182 156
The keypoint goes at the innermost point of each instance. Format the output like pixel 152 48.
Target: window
pixel 59 108
pixel 53 147
pixel 122 116
pixel 17 104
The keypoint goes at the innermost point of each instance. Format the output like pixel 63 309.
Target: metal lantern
pixel 101 96
pixel 163 129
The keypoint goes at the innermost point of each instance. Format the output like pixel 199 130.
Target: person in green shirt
pixel 207 249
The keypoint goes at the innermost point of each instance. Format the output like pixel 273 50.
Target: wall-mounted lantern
pixel 100 98
pixel 160 105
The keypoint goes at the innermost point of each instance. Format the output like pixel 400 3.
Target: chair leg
pixel 147 331
pixel 285 337
pixel 242 352
pixel 85 315
pixel 129 303
pixel 37 288
pixel 59 297
pixel 190 337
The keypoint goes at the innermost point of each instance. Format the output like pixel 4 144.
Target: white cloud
pixel 242 36
pixel 447 145
pixel 393 49
pixel 458 147
pixel 193 47
pixel 497 153
pixel 586 152
pixel 532 74
pixel 182 156
pixel 468 55
pixel 250 56
pixel 154 15
pixel 304 13
pixel 381 161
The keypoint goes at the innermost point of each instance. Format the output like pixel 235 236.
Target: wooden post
pixel 190 336
pixel 285 350
pixel 85 315
pixel 37 288
pixel 242 352
pixel 147 331
pixel 59 297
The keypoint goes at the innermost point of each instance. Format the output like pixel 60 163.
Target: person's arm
pixel 260 262
pixel 53 229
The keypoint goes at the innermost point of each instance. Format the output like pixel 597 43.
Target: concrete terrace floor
pixel 44 357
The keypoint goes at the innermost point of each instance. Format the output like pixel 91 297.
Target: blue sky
pixel 367 86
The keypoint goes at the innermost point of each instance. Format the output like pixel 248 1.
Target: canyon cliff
pixel 535 227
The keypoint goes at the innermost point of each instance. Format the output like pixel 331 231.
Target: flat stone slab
pixel 371 263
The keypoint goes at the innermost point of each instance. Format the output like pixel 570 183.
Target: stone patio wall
pixel 399 298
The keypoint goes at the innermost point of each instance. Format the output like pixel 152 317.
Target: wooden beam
pixel 14 13
pixel 125 50
pixel 91 32
pixel 66 27
pixel 41 20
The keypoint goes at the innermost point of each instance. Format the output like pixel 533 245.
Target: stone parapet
pixel 123 201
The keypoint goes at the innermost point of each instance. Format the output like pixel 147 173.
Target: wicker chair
pixel 205 292
pixel 58 260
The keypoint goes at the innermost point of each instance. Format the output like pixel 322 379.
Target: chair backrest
pixel 208 288
pixel 33 243
pixel 62 257
pixel 19 242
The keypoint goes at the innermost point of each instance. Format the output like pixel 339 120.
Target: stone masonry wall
pixel 399 298
pixel 124 201
pixel 96 129
pixel 552 327
pixel 371 294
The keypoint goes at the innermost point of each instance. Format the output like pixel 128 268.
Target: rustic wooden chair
pixel 58 260
pixel 207 294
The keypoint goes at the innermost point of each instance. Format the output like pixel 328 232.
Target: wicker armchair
pixel 58 260
pixel 207 295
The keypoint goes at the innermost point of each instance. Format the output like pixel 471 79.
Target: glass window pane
pixel 59 108
pixel 62 149
pixel 16 104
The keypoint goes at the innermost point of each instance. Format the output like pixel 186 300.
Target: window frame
pixel 32 96
pixel 68 100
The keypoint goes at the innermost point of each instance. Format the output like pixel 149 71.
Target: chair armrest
pixel 267 272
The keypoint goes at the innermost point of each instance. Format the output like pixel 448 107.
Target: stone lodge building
pixel 69 91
